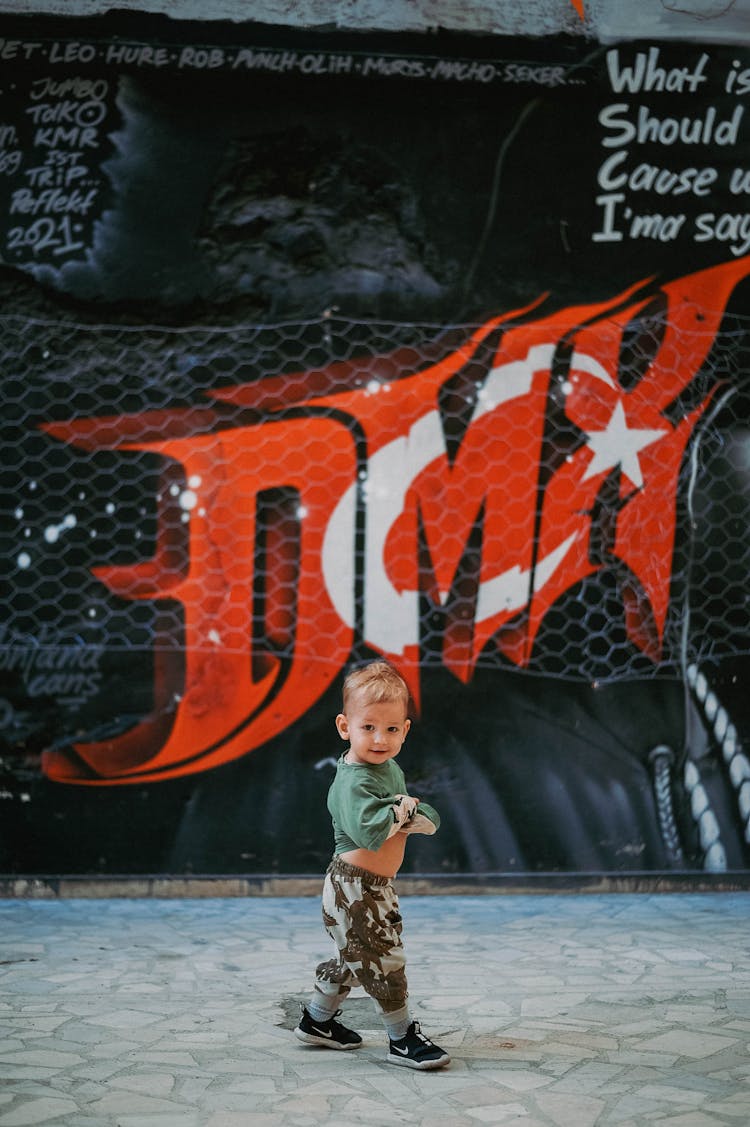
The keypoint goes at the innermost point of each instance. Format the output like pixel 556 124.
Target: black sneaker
pixel 417 1051
pixel 330 1034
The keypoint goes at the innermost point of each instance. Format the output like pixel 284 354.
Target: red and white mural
pixel 485 485
pixel 316 348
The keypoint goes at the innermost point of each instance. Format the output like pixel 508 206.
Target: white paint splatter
pixel 53 531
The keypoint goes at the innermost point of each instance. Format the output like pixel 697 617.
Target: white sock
pixel 320 1012
pixel 397 1023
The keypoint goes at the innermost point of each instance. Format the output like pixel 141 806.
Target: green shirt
pixel 360 801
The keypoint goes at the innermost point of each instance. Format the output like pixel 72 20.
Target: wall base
pixel 477 884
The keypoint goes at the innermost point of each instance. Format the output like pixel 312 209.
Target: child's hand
pixel 404 808
pixel 419 825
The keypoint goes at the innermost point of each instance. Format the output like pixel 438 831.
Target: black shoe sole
pixel 311 1039
pixel 422 1065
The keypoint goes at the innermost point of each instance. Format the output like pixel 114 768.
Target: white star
pixel 618 445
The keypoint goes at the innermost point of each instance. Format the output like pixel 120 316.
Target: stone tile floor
pixel 558 1010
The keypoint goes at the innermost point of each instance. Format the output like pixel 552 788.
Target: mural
pixel 484 488
pixel 328 348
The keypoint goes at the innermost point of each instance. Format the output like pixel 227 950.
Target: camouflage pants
pixel 361 915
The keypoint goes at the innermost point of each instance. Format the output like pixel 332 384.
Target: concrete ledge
pixel 155 887
pixel 430 884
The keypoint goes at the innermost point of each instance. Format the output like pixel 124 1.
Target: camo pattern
pixel 362 917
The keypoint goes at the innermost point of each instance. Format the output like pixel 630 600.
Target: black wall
pixel 218 245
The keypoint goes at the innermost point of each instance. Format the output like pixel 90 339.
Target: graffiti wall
pixel 317 348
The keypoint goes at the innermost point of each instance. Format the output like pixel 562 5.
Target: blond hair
pixel 375 683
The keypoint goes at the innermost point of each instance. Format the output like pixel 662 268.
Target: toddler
pixel 372 815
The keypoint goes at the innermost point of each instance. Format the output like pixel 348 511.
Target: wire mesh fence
pixel 204 525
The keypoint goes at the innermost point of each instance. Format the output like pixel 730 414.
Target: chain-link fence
pixel 204 525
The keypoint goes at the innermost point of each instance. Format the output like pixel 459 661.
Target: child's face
pixel 375 731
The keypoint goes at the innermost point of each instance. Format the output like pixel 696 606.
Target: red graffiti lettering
pixel 331 507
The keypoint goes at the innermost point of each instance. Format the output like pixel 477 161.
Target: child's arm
pixel 404 812
pixel 424 821
pixel 369 818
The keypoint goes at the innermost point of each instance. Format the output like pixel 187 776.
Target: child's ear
pixel 342 726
